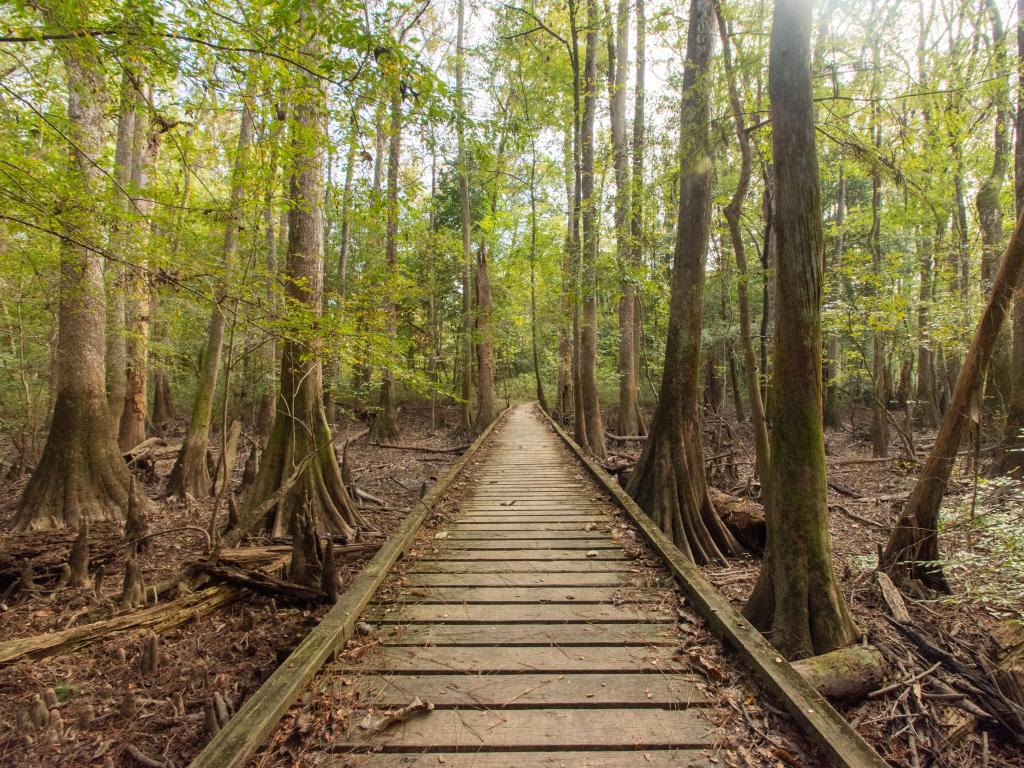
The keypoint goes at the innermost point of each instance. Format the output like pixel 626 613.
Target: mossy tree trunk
pixel 669 482
pixel 797 597
pixel 299 468
pixel 190 474
pixel 80 475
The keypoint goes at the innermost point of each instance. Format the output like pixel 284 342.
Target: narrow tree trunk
pixel 299 472
pixel 564 395
pixel 879 399
pixel 487 407
pixel 831 411
pixel 465 411
pixel 118 239
pixel 733 213
pixel 384 428
pixel 913 548
pixel 636 219
pixel 669 482
pixel 590 399
pixel 797 597
pixel 135 409
pixel 190 474
pixel 80 475
pixel 927 408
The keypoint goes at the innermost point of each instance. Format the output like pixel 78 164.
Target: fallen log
pixel 847 675
pixel 743 517
pixel 157 618
pixel 286 592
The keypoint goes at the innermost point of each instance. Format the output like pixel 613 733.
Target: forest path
pixel 537 635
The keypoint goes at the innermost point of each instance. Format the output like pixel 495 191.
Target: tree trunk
pixel 832 419
pixel 267 390
pixel 590 399
pixel 299 471
pixel 115 346
pixel 879 398
pixel 733 213
pixel 913 548
pixel 927 410
pixel 465 411
pixel 80 475
pixel 190 474
pixel 668 482
pixel 135 409
pixel 796 596
pixel 636 219
pixel 487 407
pixel 384 429
pixel 1011 451
pixel 628 421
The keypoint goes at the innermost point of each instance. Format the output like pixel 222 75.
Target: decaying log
pixel 743 517
pixel 1009 672
pixel 261 583
pixel 157 618
pixel 306 560
pixel 848 674
pixel 893 598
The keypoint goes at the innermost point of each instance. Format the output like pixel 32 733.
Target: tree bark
pixel 384 428
pixel 487 407
pixel 913 548
pixel 563 397
pixel 668 482
pixel 299 470
pixel 465 411
pixel 636 219
pixel 733 213
pixel 190 474
pixel 80 475
pixel 135 409
pixel 267 391
pixel 879 398
pixel 797 597
pixel 590 398
pixel 831 411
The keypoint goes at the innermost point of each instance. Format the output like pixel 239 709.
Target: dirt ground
pixel 102 705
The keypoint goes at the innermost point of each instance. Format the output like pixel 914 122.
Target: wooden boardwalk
pixel 528 625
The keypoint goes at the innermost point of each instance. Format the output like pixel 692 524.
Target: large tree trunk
pixel 80 475
pixel 913 548
pixel 669 482
pixel 190 474
pixel 590 399
pixel 299 470
pixel 733 213
pixel 628 421
pixel 135 413
pixel 384 428
pixel 465 411
pixel 115 347
pixel 796 596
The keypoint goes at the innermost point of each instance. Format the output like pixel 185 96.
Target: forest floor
pixel 915 723
pixel 106 705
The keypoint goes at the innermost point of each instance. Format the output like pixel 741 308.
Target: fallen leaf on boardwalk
pixel 592 553
pixel 441 535
pixel 416 706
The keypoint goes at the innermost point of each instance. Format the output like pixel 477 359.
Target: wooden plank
pixel 532 533
pixel 516 580
pixel 543 554
pixel 518 614
pixel 242 735
pixel 461 730
pixel 641 758
pixel 521 523
pixel 500 660
pixel 519 635
pixel 498 565
pixel 839 742
pixel 592 541
pixel 522 691
pixel 548 594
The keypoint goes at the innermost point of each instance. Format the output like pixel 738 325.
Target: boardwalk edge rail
pixel 824 726
pixel 247 731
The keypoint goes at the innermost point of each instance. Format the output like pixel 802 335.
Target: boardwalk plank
pixel 498 660
pixel 543 594
pixel 644 758
pixel 520 635
pixel 612 579
pixel 535 613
